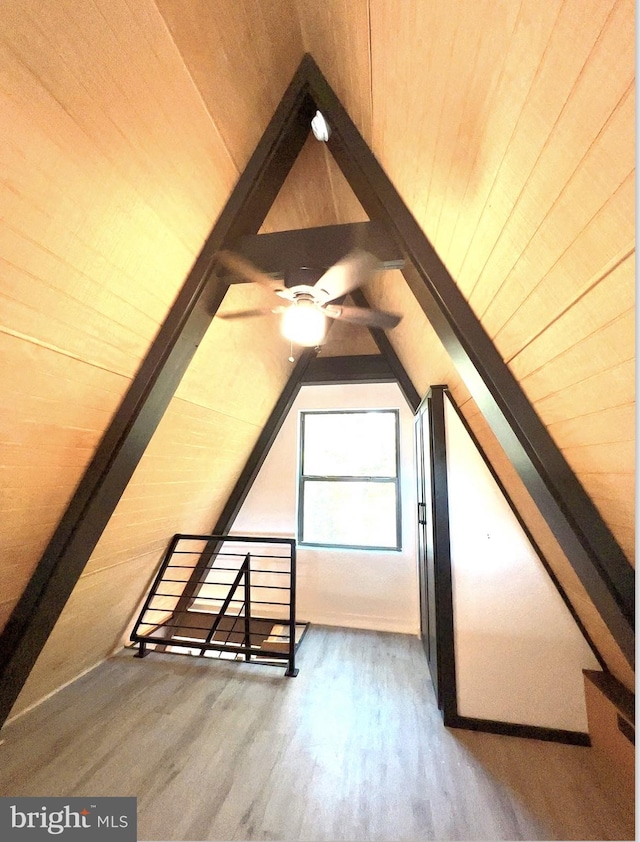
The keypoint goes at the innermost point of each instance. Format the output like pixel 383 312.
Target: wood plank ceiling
pixel 508 129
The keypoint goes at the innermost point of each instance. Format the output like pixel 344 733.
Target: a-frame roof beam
pixel 264 442
pixel 388 351
pixel 577 524
pixel 131 429
pixel 247 477
pixel 573 518
pixel 365 368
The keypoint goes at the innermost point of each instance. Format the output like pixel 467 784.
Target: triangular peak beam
pixel 585 539
pixel 574 520
pixel 319 248
pixel 148 397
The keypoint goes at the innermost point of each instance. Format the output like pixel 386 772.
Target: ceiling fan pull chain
pixel 292 359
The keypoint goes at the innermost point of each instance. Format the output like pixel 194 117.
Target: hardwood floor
pixel 351 749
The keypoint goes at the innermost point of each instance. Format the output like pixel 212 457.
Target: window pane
pixel 350 444
pixel 361 514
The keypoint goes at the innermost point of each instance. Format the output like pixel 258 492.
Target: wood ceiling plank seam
pixel 458 267
pixel 41 343
pixel 489 101
pixel 115 177
pixel 31 403
pixel 117 564
pixel 576 363
pixel 530 39
pixel 131 429
pixel 603 390
pixel 90 128
pixel 138 11
pixel 547 374
pixel 469 93
pixel 602 486
pixel 563 85
pixel 613 453
pixel 563 201
pixel 559 175
pixel 88 244
pixel 146 23
pixel 266 71
pixel 572 519
pixel 326 28
pixel 382 72
pixel 117 360
pixel 134 52
pixel 610 234
pixel 138 300
pixel 225 76
pixel 41 288
pixel 619 422
pixel 428 213
pixel 601 289
pixel 100 258
pixel 422 206
pixel 503 313
pixel 625 516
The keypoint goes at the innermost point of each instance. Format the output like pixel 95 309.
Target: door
pixel 434 561
pixel 425 544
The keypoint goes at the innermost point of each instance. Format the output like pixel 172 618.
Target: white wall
pixel 355 588
pixel 519 654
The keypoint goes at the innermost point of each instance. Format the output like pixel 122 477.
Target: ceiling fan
pixel 304 318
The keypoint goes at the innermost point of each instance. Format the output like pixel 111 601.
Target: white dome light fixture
pixel 320 127
pixel 304 323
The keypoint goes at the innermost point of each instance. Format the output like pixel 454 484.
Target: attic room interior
pixel 444 482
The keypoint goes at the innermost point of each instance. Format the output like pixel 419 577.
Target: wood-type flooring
pixel 351 749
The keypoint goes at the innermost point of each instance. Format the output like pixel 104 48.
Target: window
pixel 348 487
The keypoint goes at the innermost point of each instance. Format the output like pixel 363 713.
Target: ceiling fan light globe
pixel 304 324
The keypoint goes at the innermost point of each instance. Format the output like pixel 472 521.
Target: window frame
pixel 305 478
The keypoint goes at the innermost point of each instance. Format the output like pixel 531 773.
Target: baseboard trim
pixel 357 621
pixel 55 691
pixel 512 729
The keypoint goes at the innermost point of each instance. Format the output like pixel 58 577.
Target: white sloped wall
pixel 343 587
pixel 519 653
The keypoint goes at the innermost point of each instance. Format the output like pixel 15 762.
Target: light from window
pixel 348 489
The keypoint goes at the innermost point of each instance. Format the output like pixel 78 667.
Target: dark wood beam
pixel 576 523
pixel 387 350
pixel 245 480
pixel 365 368
pixel 586 540
pixel 265 440
pixel 131 430
pixel 318 248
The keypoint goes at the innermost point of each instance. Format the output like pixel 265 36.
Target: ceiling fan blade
pixel 247 314
pixel 363 316
pixel 352 271
pixel 245 269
